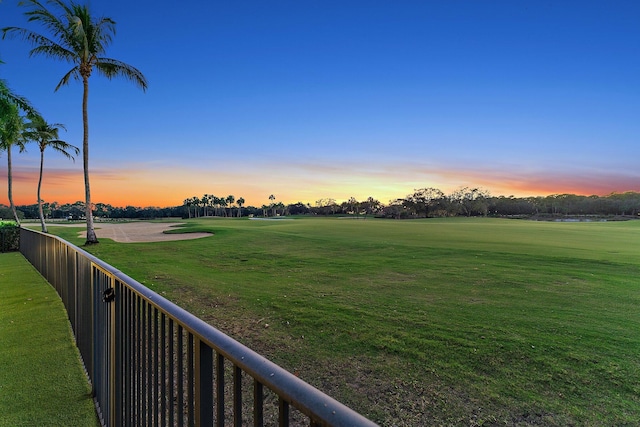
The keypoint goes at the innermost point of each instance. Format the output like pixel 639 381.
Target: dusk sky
pixel 312 99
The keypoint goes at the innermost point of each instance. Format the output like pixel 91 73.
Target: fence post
pixel 204 384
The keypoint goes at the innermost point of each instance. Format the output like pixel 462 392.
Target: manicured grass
pixel 443 321
pixel 41 378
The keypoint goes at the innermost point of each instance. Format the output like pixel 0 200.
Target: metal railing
pixel 151 363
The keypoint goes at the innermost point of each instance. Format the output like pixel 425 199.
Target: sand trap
pixel 136 232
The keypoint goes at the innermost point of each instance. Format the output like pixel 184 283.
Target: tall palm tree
pixel 81 39
pixel 11 127
pixel 46 135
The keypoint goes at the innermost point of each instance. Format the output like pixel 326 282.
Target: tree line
pixel 466 201
pixel 422 203
pixel 431 202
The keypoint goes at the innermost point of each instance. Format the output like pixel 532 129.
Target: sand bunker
pixel 137 232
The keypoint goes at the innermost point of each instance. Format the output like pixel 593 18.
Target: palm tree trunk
pixel 91 233
pixel 10 185
pixel 42 223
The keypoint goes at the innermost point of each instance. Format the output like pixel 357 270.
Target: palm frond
pixel 60 4
pixel 46 135
pixel 74 72
pixel 64 148
pixel 43 45
pixel 41 14
pixel 92 36
pixel 81 43
pixel 112 67
pixel 54 51
pixel 7 95
pixel 102 34
pixel 11 126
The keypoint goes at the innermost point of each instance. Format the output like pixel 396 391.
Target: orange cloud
pixel 64 185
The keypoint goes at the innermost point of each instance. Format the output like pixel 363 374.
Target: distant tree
pixel 46 135
pixel 82 39
pixel 206 202
pixel 103 209
pixel 423 201
pixel 470 201
pixel 371 206
pixel 188 203
pixel 230 200
pixel 213 205
pixel 195 202
pixel 222 202
pixel 272 198
pixel 240 202
pixel 298 208
pixel 325 207
pixel 6 212
pixel 53 208
pixel 396 209
pixel 352 203
pixel 215 201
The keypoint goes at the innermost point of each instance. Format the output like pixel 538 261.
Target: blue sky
pixel 332 99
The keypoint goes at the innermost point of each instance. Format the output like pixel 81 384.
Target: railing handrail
pixel 319 407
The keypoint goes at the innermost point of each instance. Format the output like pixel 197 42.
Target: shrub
pixel 9 236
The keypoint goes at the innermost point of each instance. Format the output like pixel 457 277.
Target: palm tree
pixel 216 204
pixel 230 200
pixel 187 203
pixel 223 205
pixel 11 127
pixel 80 39
pixel 46 135
pixel 206 200
pixel 196 206
pixel 240 202
pixel 273 205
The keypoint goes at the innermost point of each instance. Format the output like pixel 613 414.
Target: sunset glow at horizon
pixel 338 100
pixel 151 189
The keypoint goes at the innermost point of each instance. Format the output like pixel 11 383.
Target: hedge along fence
pixel 9 236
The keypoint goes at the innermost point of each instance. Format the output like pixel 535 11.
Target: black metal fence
pixel 152 363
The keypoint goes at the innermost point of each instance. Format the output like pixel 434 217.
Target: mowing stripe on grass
pixel 41 378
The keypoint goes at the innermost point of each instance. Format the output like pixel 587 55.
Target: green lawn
pixel 41 378
pixel 422 322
